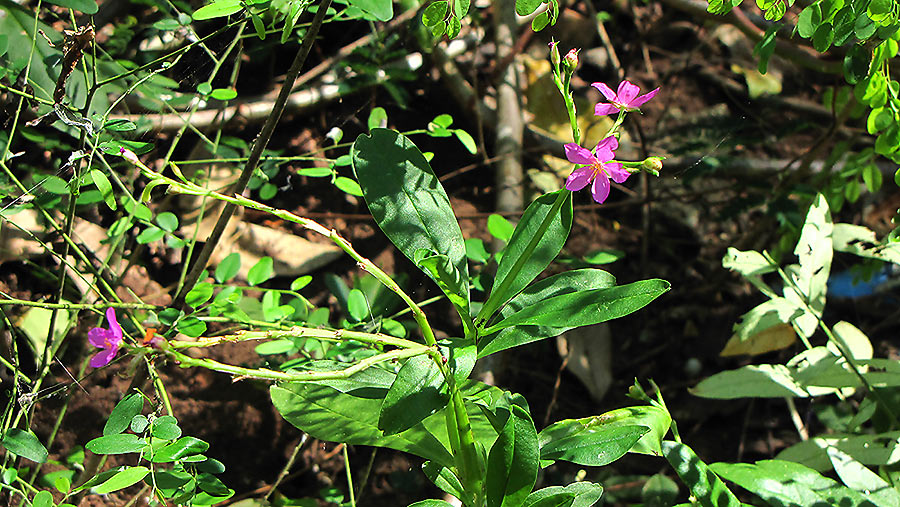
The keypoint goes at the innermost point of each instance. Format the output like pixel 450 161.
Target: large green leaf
pixel 522 259
pixel 582 494
pixel 858 477
pixel 780 482
pixel 753 381
pixel 417 392
pixel 563 283
pixel 409 204
pixel 25 444
pixel 217 9
pixel 333 416
pixel 441 270
pixel 596 447
pixel 873 450
pixel 85 6
pixel 655 419
pixel 121 443
pixel 382 10
pixel 526 7
pixel 704 484
pixel 588 307
pixel 513 461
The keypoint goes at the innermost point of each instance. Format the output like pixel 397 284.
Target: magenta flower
pixel 107 339
pixel 596 167
pixel 626 99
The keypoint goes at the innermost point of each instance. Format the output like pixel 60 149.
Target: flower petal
pixel 605 90
pixel 99 337
pixel 627 92
pixel 579 178
pixel 578 155
pixel 609 143
pixel 114 324
pixel 103 358
pixel 640 101
pixel 600 188
pixel 615 171
pixel 605 109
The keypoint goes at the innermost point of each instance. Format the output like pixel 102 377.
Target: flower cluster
pixel 598 167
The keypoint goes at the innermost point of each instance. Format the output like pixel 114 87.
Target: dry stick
pixel 256 151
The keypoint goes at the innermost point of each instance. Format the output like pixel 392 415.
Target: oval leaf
pixel 124 411
pixel 25 444
pixel 123 479
pixel 415 394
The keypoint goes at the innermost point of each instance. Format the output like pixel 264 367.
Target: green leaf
pixel 434 13
pixel 540 21
pixel 453 27
pixel 179 449
pixel 823 37
pixel 476 251
pixel 444 478
pixel 596 447
pixel 258 25
pixel 513 461
pixel 857 63
pixel 166 428
pixel 523 260
pixel 217 9
pixel 167 221
pixel 261 271
pixel 526 7
pixel 124 411
pixel 407 200
pixel 201 293
pixel 780 482
pixel 123 479
pixel 191 326
pixel 382 10
pixel 648 417
pixel 704 484
pixel 333 416
pixel 584 308
pixel 120 125
pixel 357 306
pixel 460 8
pixel 105 187
pixel 466 140
pixel 24 444
pixel 442 271
pixel 858 477
pixel 377 118
pixel 4 44
pixel 499 227
pixel 583 494
pixel 223 94
pixel 563 283
pixel 416 393
pixel 348 186
pixel 659 491
pixel 229 267
pixel 85 6
pixel 42 499
pixel 753 381
pixel 122 443
pixel 431 503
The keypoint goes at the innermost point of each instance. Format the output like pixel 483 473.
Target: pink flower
pixel 596 167
pixel 626 99
pixel 107 339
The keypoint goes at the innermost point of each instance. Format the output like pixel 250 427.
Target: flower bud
pixel 554 54
pixel 570 62
pixel 652 165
